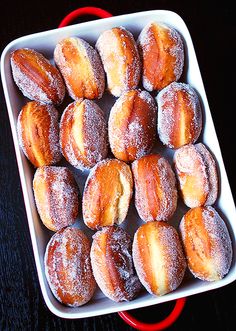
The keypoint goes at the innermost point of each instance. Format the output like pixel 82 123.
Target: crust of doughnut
pixel 112 264
pixel 107 194
pixel 81 68
pixel 206 243
pixel 36 77
pixel 179 115
pixel 83 134
pixel 56 196
pixel 68 267
pixel 155 188
pixel 120 58
pixel 38 133
pixel 132 125
pixel 158 257
pixel 162 54
pixel 197 175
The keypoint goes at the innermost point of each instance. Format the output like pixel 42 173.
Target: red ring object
pixel 180 303
pixel 84 11
pixel 165 323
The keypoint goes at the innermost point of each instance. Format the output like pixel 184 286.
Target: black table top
pixel 213 30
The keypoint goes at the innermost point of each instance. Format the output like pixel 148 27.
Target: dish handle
pixel 164 324
pixel 84 11
pixel 180 303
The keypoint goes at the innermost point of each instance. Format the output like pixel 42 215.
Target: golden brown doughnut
pixel 206 243
pixel 162 54
pixel 197 175
pixel 38 133
pixel 83 134
pixel 81 68
pixel 179 115
pixel 132 125
pixel 120 58
pixel 112 264
pixel 158 257
pixel 155 188
pixel 36 77
pixel 107 194
pixel 56 196
pixel 68 267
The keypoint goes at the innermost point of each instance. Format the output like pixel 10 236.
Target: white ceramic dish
pixel 45 42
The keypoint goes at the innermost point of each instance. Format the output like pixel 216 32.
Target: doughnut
pixel 179 115
pixel 162 54
pixel 36 77
pixel 112 264
pixel 56 196
pixel 120 58
pixel 81 68
pixel 206 243
pixel 197 175
pixel 107 194
pixel 83 134
pixel 155 188
pixel 158 257
pixel 132 125
pixel 68 267
pixel 38 133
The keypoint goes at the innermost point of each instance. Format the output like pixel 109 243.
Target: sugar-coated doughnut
pixel 158 257
pixel 155 188
pixel 68 267
pixel 81 68
pixel 120 58
pixel 36 77
pixel 206 243
pixel 132 125
pixel 107 194
pixel 197 175
pixel 56 196
pixel 162 54
pixel 38 133
pixel 83 134
pixel 112 264
pixel 179 115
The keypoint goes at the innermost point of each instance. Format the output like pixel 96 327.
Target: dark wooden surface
pixel 22 307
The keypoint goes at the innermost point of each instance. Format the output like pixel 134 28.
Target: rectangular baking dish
pixel 45 42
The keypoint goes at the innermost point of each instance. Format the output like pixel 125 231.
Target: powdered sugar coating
pixel 47 88
pixel 217 238
pixel 53 136
pixel 156 178
pixel 105 162
pixel 170 58
pixel 177 51
pixel 222 250
pixel 195 162
pixel 119 283
pixel 173 257
pixel 92 130
pixel 158 257
pixel 132 136
pixel 43 119
pixel 29 88
pixel 211 171
pixel 94 84
pixel 107 194
pixel 170 110
pixel 97 67
pixel 120 58
pixel 56 196
pixel 68 267
pixel 168 188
